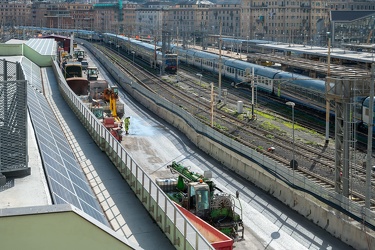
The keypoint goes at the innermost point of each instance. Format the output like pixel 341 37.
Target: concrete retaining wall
pixel 333 221
pixel 321 214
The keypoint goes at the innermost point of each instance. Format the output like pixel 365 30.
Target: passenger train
pixel 146 51
pixel 302 90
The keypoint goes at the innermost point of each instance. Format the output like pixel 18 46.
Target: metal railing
pixel 177 228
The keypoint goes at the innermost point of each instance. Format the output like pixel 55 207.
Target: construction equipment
pixel 92 73
pixel 111 95
pixel 196 193
pixel 100 97
pixel 79 54
pixel 114 127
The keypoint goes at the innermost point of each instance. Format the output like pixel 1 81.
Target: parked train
pixel 302 90
pixel 145 51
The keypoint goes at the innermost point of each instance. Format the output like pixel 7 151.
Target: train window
pixel 358 108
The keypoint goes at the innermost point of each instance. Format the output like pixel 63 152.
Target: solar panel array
pixel 46 46
pixel 34 80
pixel 65 177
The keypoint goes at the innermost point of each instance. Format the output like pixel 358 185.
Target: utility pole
pixel 177 57
pixel 252 92
pixel 220 61
pixel 212 104
pixel 328 87
pixel 369 139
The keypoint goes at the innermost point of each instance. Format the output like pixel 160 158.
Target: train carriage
pixel 240 72
pixel 206 61
pixel 185 55
pixel 203 60
pixel 303 90
pixel 366 113
pixel 151 53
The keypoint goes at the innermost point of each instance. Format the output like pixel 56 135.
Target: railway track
pixel 315 163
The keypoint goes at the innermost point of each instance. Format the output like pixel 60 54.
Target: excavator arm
pixel 112 105
pixel 111 95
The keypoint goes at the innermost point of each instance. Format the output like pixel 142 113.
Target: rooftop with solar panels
pixel 40 176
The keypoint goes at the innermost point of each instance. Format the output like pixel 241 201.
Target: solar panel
pixel 66 180
pixel 45 46
pixel 33 79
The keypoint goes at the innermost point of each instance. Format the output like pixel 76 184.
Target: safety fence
pixel 181 233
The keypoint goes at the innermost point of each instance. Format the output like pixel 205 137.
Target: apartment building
pixel 294 21
pixel 129 19
pixel 151 18
pixel 15 13
pixel 282 20
pixel 82 15
pixel 227 14
pixel 189 21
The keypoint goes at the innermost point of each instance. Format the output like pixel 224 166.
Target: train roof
pixel 149 46
pixel 302 81
pixel 366 102
pixel 258 69
pixel 184 51
pixel 339 53
pixel 207 55
pixel 135 41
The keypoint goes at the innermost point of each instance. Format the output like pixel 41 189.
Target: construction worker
pixel 127 123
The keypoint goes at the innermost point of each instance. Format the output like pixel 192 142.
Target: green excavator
pixel 198 194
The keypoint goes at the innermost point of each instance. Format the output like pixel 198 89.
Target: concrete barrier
pixel 326 217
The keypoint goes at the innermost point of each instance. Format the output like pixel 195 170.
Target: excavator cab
pixel 92 73
pixel 115 91
pixel 98 112
pixel 199 199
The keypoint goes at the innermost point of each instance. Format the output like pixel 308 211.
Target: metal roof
pixel 337 53
pixel 310 65
pixel 43 46
pixel 341 16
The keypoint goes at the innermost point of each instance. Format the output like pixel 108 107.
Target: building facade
pixel 298 21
